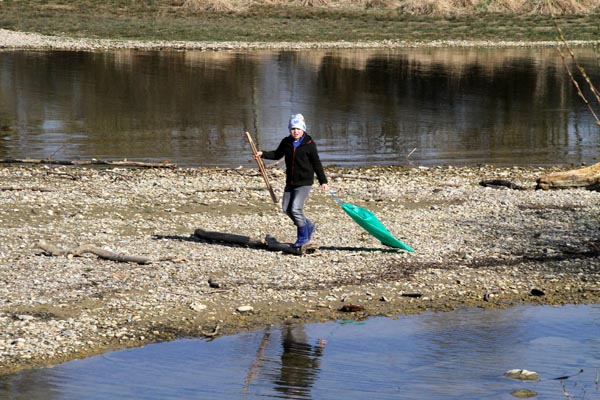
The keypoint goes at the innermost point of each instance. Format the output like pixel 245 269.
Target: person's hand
pixel 258 155
pixel 325 187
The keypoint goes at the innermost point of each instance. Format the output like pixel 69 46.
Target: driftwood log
pixel 274 245
pixel 499 183
pixel 588 178
pixel 123 163
pixel 269 243
pixel 230 238
pixel 53 250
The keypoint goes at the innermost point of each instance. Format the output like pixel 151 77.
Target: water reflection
pixel 441 106
pixel 457 355
pixel 295 371
pixel 300 363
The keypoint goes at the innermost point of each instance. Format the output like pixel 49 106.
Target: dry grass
pixel 559 6
pixel 209 5
pixel 535 7
pixel 297 21
pixel 412 7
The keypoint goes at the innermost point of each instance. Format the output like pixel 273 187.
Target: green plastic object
pixel 369 222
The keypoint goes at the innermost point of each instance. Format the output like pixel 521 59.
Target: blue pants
pixel 293 203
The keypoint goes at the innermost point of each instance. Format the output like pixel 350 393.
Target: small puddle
pixel 456 355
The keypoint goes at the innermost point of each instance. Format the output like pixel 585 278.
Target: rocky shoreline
pixel 475 247
pixel 12 40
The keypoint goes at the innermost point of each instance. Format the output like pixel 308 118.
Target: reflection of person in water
pixel 299 362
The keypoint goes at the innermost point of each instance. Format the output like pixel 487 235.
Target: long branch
pixel 576 84
pixel 579 67
pixel 53 250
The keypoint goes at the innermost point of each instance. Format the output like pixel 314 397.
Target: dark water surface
pixel 455 355
pixel 394 107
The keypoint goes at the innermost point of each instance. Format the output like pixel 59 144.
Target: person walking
pixel 302 163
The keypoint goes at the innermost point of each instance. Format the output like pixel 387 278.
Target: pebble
pixel 522 374
pixel 524 393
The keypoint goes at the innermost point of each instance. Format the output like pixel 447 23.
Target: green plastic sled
pixel 369 222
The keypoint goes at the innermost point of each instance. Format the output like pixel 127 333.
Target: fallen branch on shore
pixel 587 178
pixel 53 250
pixel 63 175
pixel 123 163
pixel 353 176
pixel 584 178
pixel 19 188
pixel 499 183
pixel 230 238
pixel 274 245
pixel 269 243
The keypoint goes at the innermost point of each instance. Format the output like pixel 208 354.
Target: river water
pixel 458 106
pixel 454 355
pixel 393 107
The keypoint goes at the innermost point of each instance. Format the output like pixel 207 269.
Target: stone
pixel 522 375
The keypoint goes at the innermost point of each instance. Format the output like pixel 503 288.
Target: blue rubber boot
pixel 302 236
pixel 311 228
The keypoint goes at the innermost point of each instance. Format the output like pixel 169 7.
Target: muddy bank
pixel 475 246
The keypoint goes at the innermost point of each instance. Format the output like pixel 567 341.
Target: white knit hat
pixel 297 121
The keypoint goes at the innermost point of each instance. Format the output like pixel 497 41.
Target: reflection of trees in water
pixel 196 105
pixel 129 103
pixel 494 102
pixel 299 362
pixel 6 132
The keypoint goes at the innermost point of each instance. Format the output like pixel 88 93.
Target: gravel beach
pixel 474 246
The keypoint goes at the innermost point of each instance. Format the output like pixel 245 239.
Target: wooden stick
pixel 254 368
pixel 261 167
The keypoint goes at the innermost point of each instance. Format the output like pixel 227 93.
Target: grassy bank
pixel 173 20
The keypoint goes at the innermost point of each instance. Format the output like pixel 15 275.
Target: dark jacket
pixel 302 163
